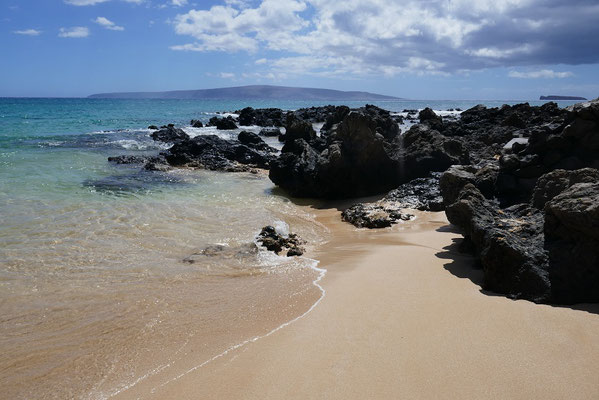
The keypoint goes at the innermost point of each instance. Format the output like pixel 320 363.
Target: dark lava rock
pixel 555 182
pixel 509 243
pixel 428 116
pixel 355 162
pixel 196 123
pixel 572 241
pixel 227 123
pixel 543 256
pixel 274 241
pixel 254 141
pixel 428 150
pixel 153 127
pixel 212 152
pixel 457 176
pixel 363 155
pixel 150 163
pixel 260 116
pixel 270 132
pixel 376 215
pixel 419 194
pixel 338 114
pixel 128 159
pixel 170 134
pixel 298 129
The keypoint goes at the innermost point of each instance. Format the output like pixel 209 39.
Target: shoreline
pixel 419 329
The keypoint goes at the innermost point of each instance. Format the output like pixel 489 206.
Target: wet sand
pixel 403 317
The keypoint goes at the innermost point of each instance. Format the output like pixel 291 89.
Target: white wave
pixel 282 228
pixel 316 282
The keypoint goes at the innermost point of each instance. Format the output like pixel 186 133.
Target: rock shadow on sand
pixel 466 266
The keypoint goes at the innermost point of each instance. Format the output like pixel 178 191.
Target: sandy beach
pixel 403 316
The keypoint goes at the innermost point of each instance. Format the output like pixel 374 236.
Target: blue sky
pixel 434 49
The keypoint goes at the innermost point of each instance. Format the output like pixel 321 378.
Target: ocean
pixel 97 290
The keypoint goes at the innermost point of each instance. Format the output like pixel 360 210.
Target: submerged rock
pixel 242 252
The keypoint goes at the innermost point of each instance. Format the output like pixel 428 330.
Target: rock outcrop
pixel 212 152
pixel 356 161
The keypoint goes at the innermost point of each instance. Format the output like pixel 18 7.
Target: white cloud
pixel 227 75
pixel 108 24
pixel 74 32
pixel 28 32
pixel 94 2
pixel 179 3
pixel 391 37
pixel 544 74
pixel 226 28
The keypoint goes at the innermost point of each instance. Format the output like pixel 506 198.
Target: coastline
pixel 403 316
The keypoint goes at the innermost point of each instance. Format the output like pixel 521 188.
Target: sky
pixel 416 49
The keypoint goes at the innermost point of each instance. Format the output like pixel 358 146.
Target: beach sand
pixel 403 317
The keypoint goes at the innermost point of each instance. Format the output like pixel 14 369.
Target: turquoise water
pixel 92 277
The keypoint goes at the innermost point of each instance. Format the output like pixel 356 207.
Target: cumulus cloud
pixel 383 37
pixel 28 32
pixel 544 73
pixel 179 3
pixel 74 32
pixel 108 24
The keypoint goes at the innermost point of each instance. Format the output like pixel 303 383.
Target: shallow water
pixel 97 290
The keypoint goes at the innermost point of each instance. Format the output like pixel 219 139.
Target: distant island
pixel 257 92
pixel 553 97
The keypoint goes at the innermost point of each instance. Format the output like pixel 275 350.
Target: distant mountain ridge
pixel 257 92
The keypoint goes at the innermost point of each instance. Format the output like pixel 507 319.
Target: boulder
pixel 170 134
pixel 428 150
pixel 555 182
pixel 298 129
pixel 377 215
pixel 277 242
pixel 254 141
pixel 226 123
pixel 509 243
pixel 270 132
pixel 196 123
pixel 457 176
pixel 572 241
